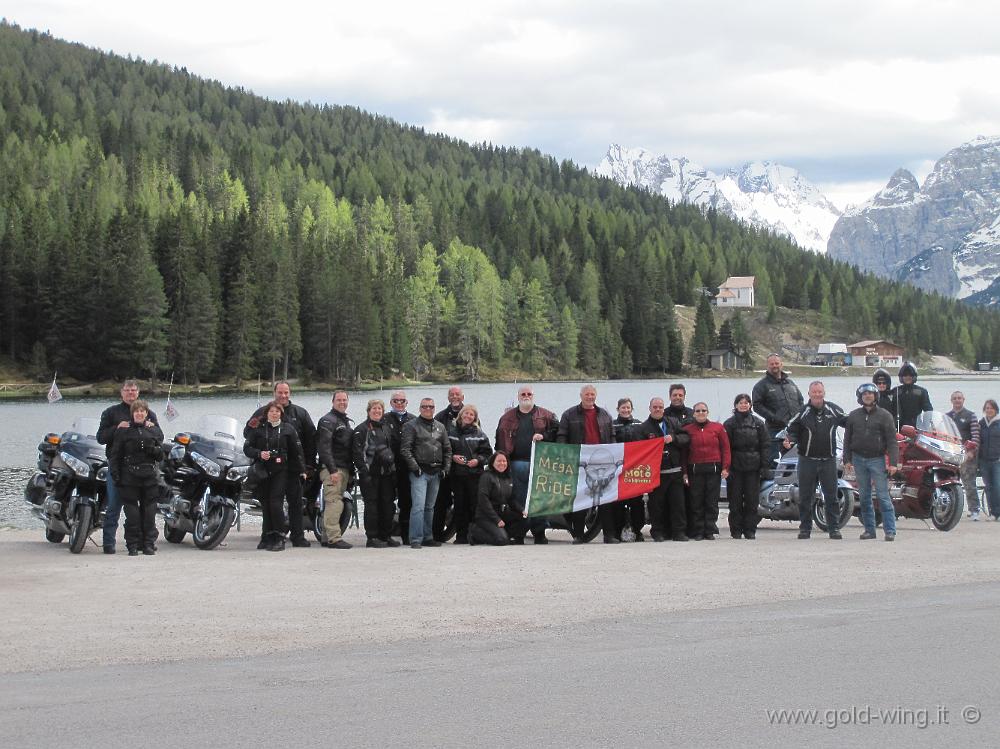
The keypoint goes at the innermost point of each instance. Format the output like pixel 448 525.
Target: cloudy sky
pixel 845 91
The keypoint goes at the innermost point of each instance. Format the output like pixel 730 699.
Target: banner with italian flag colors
pixel 565 478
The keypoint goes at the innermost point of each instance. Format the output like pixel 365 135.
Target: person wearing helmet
pixel 911 399
pixel 869 436
pixel 886 395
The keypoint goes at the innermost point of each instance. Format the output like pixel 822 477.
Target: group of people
pixel 406 460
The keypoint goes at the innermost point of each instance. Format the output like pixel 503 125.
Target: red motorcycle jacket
pixel 709 444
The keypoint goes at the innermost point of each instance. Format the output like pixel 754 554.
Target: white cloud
pixel 853 90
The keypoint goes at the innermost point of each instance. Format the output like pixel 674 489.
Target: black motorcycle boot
pixel 277 542
pixel 109 549
pixel 301 543
pixel 265 541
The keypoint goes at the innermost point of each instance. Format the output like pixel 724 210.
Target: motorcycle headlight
pixel 177 452
pixel 237 473
pixel 208 466
pixel 102 473
pixel 79 467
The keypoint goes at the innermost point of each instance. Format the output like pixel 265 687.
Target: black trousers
pixel 631 512
pixel 403 498
pixel 445 499
pixel 485 531
pixel 822 471
pixel 139 504
pixel 379 493
pixel 667 509
pixel 703 509
pixel 465 492
pixel 742 490
pixel 271 495
pixel 605 515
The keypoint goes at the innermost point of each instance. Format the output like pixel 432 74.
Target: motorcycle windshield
pixel 217 428
pixel 939 434
pixel 86 426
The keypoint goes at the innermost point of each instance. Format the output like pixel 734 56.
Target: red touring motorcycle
pixel 927 485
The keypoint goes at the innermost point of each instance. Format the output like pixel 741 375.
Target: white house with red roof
pixel 737 291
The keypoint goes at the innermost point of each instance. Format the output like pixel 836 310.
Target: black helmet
pixel 908 368
pixel 882 375
pixel 866 387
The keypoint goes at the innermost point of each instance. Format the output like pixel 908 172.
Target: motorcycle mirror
pixel 908 431
pixel 183 439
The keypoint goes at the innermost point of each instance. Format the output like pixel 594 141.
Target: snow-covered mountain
pixel 943 236
pixel 765 195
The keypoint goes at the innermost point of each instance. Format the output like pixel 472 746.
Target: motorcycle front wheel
pixel 213 526
pixel 946 508
pixel 845 506
pixel 81 528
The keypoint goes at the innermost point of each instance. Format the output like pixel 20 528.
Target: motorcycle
pixel 928 484
pixel 779 497
pixel 204 472
pixel 69 491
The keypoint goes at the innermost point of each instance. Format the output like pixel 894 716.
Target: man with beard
pixel 667 511
pixel 517 429
pixel 300 420
pixel 445 496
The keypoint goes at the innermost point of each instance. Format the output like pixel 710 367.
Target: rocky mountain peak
pixel 901 188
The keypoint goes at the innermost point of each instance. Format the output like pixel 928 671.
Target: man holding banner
pixel 589 424
pixel 584 469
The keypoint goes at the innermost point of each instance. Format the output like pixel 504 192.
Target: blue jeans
pixel 423 494
pixel 867 470
pixel 112 513
pixel 520 470
pixel 991 478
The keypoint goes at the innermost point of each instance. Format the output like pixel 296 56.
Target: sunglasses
pixel 398 400
pixel 430 406
pixel 701 410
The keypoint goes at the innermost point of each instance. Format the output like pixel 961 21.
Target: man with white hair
pixel 517 430
pixel 589 424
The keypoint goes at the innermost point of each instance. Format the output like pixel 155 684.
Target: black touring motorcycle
pixel 69 491
pixel 204 473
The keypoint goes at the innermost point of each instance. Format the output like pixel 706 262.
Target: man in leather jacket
pixel 776 399
pixel 335 434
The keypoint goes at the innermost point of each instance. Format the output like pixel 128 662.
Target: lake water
pixel 22 424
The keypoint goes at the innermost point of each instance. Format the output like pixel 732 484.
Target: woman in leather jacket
pixel 749 445
pixel 135 452
pixel 274 445
pixel 498 520
pixel 371 448
pixel 470 449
